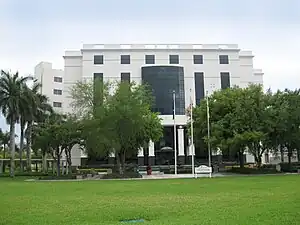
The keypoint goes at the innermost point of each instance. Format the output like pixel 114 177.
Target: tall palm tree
pixel 12 101
pixel 25 116
pixel 39 111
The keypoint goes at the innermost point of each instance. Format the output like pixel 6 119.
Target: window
pixel 125 59
pixel 57 104
pixel 98 89
pixel 174 59
pixel 98 59
pixel 149 59
pixel 225 80
pixel 199 86
pixel 125 77
pixel 163 80
pixel 57 92
pixel 223 59
pixel 198 59
pixel 58 79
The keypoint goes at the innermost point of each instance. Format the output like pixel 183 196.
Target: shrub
pixel 122 176
pixel 93 171
pixel 293 167
pixel 25 174
pixel 63 177
pixel 252 170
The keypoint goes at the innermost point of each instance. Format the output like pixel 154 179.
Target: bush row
pixel 293 167
pixel 253 170
pixel 122 176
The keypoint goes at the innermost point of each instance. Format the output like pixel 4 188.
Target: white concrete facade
pixel 79 65
pixel 52 81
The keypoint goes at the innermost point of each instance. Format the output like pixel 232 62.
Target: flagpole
pixel 192 136
pixel 175 139
pixel 208 132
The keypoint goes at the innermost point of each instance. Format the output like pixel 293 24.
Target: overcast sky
pixel 40 30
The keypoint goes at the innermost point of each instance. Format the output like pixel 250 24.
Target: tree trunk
pixel 12 148
pixel 282 154
pixel 58 162
pixel 119 167
pixel 241 159
pixel 122 156
pixel 28 147
pixel 21 146
pixel 45 169
pixel 258 161
pixel 4 156
pixel 69 160
pixel 298 155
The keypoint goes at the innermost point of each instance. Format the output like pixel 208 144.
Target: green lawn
pixel 234 200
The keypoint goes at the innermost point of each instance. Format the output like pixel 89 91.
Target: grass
pixel 234 200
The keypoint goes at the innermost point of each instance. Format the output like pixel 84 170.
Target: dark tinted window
pixel 199 87
pixel 98 59
pixel 225 80
pixel 150 59
pixel 174 59
pixel 58 79
pixel 198 59
pixel 125 59
pixel 98 88
pixel 57 92
pixel 57 104
pixel 163 80
pixel 125 77
pixel 223 59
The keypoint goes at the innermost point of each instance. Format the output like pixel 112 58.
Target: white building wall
pixel 79 65
pixel 45 74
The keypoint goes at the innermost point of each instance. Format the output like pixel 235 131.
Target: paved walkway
pixel 145 177
pixel 171 176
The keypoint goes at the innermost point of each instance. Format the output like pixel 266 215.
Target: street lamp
pixel 208 131
pixel 175 141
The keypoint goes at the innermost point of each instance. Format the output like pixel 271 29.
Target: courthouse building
pixel 192 70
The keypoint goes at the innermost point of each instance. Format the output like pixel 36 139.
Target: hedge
pixel 293 167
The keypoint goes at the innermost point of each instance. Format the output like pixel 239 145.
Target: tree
pixel 12 101
pixel 240 119
pixel 222 112
pixel 82 97
pixel 251 120
pixel 51 134
pixel 39 111
pixel 121 123
pixel 292 121
pixel 71 136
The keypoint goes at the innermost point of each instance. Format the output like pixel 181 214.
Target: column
pixel 180 138
pixel 190 152
pixel 151 156
pixel 111 158
pixel 141 157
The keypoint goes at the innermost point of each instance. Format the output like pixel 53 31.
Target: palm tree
pixel 12 101
pixel 5 142
pixel 39 111
pixel 25 116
